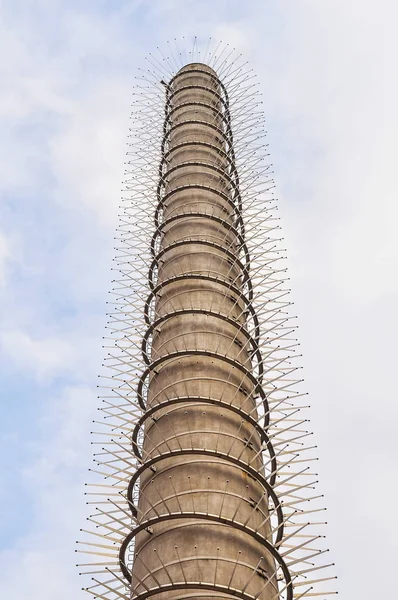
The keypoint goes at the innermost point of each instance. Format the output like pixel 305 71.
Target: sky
pixel 328 76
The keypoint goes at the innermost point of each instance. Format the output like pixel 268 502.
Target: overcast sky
pixel 328 72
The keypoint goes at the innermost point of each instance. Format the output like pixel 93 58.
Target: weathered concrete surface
pixel 194 549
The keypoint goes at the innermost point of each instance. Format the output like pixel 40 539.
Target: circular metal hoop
pixel 166 156
pixel 181 73
pixel 198 311
pixel 215 110
pixel 215 454
pixel 184 88
pixel 187 353
pixel 230 228
pixel 232 288
pixel 201 586
pixel 206 517
pixel 194 163
pixel 231 256
pixel 198 163
pixel 213 402
pixel 197 186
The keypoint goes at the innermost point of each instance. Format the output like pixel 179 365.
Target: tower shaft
pixel 203 508
pixel 203 485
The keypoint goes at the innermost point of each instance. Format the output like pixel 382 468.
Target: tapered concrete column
pixel 205 489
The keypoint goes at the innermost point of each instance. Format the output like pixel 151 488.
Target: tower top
pixel 195 66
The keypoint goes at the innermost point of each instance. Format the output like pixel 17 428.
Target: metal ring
pixel 188 353
pixel 212 279
pixel 181 73
pixel 223 222
pixel 199 311
pixel 215 518
pixel 222 589
pixel 231 255
pixel 220 131
pixel 197 163
pixel 225 135
pixel 180 145
pixel 211 166
pixel 174 93
pixel 214 109
pixel 217 454
pixel 197 186
pixel 213 402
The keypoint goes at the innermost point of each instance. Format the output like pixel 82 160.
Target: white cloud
pixel 45 358
pixel 88 152
pixel 54 480
pixel 330 95
pixel 5 254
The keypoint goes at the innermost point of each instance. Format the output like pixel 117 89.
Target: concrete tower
pixel 207 501
pixel 206 492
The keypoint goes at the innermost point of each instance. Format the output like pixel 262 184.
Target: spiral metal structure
pixel 209 493
pixel 206 485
